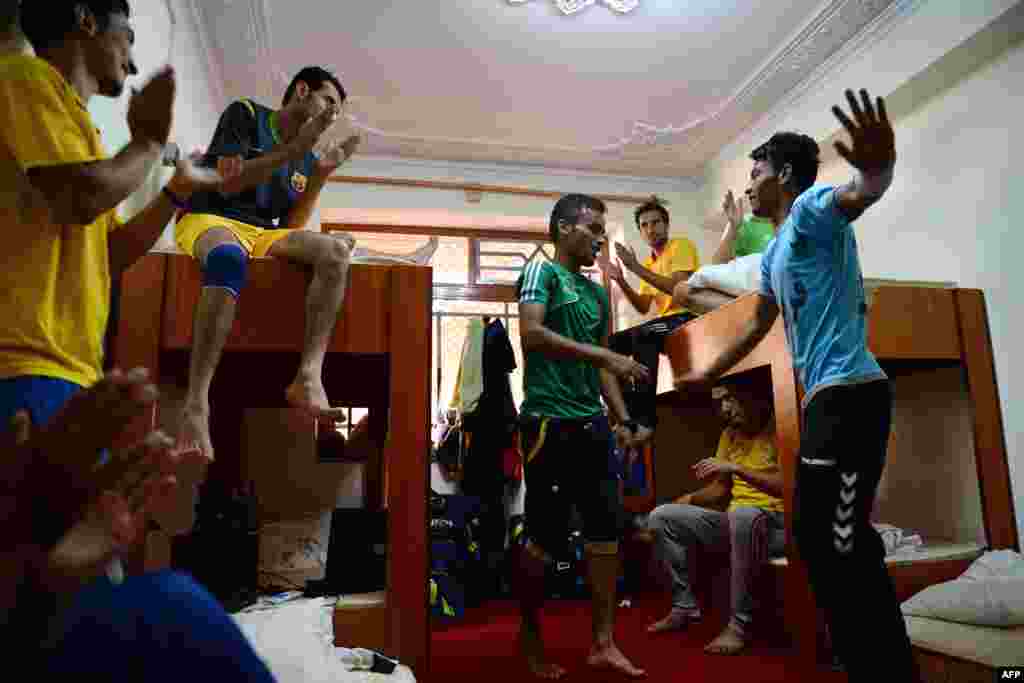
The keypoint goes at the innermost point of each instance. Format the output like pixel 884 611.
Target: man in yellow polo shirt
pixel 741 508
pixel 59 191
pixel 672 260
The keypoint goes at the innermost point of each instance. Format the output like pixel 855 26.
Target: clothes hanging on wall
pixel 469 382
pixel 492 453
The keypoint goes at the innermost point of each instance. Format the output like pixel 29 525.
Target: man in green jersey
pixel 742 237
pixel 566 438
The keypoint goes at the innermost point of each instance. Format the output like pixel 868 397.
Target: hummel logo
pixel 842 531
pixel 849 480
pixel 847 496
pixel 842 514
pixel 844 548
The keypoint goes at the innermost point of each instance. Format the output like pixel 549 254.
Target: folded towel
pixel 898 540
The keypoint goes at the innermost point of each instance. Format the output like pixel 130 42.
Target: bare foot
pixel 310 396
pixel 193 438
pixel 729 642
pixel 676 620
pixel 532 648
pixel 423 255
pixel 611 657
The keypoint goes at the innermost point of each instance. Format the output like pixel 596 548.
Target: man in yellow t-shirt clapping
pixel 672 261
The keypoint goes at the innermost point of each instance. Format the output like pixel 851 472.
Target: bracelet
pixel 176 200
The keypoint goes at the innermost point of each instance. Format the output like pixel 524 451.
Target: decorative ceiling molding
pixel 503 174
pixel 789 71
pixel 568 7
pixel 870 35
pixel 838 22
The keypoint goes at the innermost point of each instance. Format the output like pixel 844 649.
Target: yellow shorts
pixel 256 241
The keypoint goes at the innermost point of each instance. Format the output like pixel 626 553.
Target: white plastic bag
pixel 737 277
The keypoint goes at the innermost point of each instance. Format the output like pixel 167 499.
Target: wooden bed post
pixel 136 342
pixel 987 418
pixel 799 606
pixel 407 480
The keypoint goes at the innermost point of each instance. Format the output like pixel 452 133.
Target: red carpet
pixel 482 648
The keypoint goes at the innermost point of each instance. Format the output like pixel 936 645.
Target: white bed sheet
pixel 296 641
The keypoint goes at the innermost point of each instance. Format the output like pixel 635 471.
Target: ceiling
pixel 655 92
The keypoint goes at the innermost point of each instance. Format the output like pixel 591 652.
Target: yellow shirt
pixel 55 278
pixel 679 254
pixel 754 453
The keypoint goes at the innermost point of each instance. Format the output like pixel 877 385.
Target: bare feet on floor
pixel 310 396
pixel 611 657
pixel 194 431
pixel 532 648
pixel 729 642
pixel 676 620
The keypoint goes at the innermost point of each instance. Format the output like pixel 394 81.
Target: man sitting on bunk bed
pixel 260 213
pixel 671 262
pixel 811 272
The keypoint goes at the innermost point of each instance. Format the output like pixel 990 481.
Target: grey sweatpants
pixel 753 536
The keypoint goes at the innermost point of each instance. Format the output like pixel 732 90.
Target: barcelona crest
pixel 298 182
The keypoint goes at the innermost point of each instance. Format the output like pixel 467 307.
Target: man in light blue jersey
pixel 811 273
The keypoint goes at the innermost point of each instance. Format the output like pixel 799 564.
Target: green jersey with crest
pixel 575 307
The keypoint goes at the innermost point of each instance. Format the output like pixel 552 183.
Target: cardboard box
pixel 363 620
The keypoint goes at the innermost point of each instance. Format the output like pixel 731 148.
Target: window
pixel 451 323
pixel 501 262
pixel 473 277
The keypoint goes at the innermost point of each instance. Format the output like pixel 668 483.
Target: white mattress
pixel 296 641
pixel 982 644
pixel 932 551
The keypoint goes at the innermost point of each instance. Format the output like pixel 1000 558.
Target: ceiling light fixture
pixel 574 6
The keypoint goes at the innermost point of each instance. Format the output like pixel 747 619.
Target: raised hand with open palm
pixel 873 140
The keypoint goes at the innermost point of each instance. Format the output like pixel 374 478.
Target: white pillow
pixel 992 601
pixel 995 563
pixel 737 277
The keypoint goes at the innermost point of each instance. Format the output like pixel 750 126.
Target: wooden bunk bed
pixel 925 338
pixel 379 358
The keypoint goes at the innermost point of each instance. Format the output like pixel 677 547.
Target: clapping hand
pixel 614 271
pixel 626 255
pixel 150 109
pixel 713 466
pixel 335 154
pixel 92 511
pixel 734 210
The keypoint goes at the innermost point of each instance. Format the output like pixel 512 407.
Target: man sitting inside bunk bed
pixel 740 508
pixel 735 267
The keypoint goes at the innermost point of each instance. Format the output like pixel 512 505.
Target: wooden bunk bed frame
pixel 917 324
pixel 379 357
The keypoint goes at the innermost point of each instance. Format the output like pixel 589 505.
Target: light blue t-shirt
pixel 812 272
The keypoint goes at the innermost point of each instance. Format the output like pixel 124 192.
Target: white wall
pixel 195 114
pixel 949 214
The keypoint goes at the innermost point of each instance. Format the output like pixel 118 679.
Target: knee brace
pixel 225 267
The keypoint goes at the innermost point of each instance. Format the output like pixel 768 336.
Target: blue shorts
pixel 157 627
pixel 42 397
